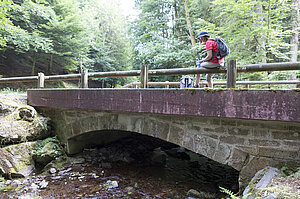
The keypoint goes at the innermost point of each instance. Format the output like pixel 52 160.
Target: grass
pixel 9 90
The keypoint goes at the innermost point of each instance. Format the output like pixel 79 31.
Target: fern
pixel 232 195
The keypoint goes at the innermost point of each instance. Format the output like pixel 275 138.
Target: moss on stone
pixel 6 188
pixel 215 89
pixel 47 150
pixel 296 89
pixel 242 89
pixel 252 188
pixel 23 152
pixel 192 91
pixel 58 163
pixel 281 191
pixel 288 168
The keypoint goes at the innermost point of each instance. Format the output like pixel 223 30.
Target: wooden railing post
pixel 41 80
pixel 167 85
pixel 231 73
pixel 144 76
pixel 84 78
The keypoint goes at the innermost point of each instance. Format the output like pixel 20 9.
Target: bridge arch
pixel 245 145
pixel 189 132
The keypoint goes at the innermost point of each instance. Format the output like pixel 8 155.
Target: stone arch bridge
pixel 245 129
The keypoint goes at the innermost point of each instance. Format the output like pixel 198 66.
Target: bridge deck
pixel 281 105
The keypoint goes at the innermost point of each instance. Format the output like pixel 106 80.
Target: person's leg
pixel 209 65
pixel 198 76
pixel 209 80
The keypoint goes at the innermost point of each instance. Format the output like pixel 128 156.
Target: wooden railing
pixel 231 71
pixel 246 84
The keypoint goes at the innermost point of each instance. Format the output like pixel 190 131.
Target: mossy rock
pixel 24 125
pixel 20 122
pixel 21 131
pixel 46 151
pixel 26 113
pixel 6 109
pixel 271 182
pixel 16 160
pixel 58 163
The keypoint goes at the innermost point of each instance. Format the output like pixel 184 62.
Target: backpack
pixel 186 82
pixel 223 48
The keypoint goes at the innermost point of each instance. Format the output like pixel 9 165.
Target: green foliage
pixel 290 171
pixel 109 47
pixel 42 143
pixel 9 90
pixel 157 42
pixel 41 123
pixel 232 195
pixel 165 53
pixel 37 151
pixel 75 34
pixel 62 36
pixel 296 174
pixel 26 35
pixel 6 24
pixel 257 29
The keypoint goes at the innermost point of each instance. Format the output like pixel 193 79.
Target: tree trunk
pixel 261 48
pixel 50 65
pixel 33 64
pixel 295 34
pixel 177 21
pixel 188 21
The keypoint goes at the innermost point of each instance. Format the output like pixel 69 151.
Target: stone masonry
pixel 246 130
pixel 245 145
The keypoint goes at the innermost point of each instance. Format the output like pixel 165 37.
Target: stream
pixel 137 166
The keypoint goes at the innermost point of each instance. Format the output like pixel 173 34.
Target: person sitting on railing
pixel 211 60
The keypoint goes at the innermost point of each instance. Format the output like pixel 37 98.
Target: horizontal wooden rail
pixel 18 79
pixel 162 72
pixel 216 83
pixel 167 83
pixel 240 69
pixel 158 72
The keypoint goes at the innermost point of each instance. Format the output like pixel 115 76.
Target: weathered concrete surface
pixel 281 105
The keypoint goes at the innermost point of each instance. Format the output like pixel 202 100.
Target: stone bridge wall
pixel 245 145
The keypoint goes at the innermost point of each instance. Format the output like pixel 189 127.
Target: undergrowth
pixel 233 195
pixel 10 90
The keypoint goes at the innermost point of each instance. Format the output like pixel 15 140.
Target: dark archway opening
pixel 154 166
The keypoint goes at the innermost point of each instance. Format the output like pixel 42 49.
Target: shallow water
pixel 135 167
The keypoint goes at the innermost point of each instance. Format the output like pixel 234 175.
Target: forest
pixel 65 36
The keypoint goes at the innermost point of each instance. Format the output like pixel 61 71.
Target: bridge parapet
pixel 278 105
